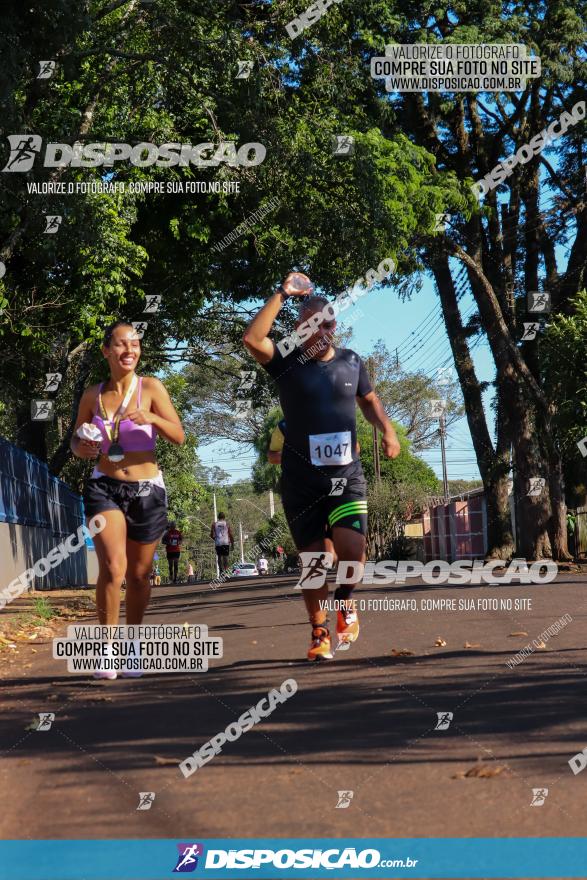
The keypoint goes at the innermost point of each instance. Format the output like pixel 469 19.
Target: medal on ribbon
pixel 115 451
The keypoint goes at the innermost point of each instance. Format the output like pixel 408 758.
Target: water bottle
pixel 299 283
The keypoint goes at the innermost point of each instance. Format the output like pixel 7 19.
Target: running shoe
pixel 131 671
pixel 101 672
pixel 347 627
pixel 320 644
pixel 110 674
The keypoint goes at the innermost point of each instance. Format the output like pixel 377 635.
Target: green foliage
pixel 565 378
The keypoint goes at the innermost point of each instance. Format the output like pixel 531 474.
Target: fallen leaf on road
pixel 254 642
pixel 483 771
pixel 540 645
pixel 162 761
pixel 403 652
pixel 521 633
pixel 468 645
pixel 439 643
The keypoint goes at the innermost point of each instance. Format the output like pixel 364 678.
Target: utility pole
pixel 376 459
pixel 442 432
pixel 240 531
pixel 271 504
pixel 215 520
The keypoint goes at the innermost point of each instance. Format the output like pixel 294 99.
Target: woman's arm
pixel 162 414
pixel 85 448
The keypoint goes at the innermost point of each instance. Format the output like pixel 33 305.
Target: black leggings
pixel 173 562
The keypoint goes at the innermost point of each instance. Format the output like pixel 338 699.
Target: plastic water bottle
pixel 300 283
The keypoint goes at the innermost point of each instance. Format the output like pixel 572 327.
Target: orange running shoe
pixel 347 627
pixel 320 644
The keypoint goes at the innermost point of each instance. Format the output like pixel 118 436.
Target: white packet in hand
pixel 88 431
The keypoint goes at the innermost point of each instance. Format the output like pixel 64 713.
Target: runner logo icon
pixel 23 150
pixel 187 860
pixel 314 570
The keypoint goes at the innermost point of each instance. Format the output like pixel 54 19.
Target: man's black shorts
pixel 145 514
pixel 311 508
pixel 222 549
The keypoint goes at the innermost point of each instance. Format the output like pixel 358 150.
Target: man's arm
pixel 212 531
pixel 373 410
pixel 230 538
pixel 256 336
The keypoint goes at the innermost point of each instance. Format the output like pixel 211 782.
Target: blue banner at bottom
pixel 416 858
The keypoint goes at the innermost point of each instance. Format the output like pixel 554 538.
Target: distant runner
pixel 318 393
pixel 223 541
pixel 172 540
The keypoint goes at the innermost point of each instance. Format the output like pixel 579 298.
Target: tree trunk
pixel 493 464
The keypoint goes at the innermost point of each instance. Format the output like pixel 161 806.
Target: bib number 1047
pixel 333 449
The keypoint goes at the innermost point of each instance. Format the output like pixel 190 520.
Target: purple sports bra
pixel 132 437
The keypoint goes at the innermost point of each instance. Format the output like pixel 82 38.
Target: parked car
pixel 244 569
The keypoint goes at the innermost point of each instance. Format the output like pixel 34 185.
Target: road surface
pixel 363 723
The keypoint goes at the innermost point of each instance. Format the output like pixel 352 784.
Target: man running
pixel 318 386
pixel 223 541
pixel 172 540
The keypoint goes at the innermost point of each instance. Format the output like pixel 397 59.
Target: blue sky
pixel 416 328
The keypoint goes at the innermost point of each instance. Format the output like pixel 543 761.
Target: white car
pixel 244 569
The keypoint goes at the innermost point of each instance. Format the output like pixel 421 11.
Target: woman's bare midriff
pixel 134 466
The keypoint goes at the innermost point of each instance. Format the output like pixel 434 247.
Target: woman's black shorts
pixel 143 503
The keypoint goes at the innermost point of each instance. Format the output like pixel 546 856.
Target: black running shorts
pixel 222 549
pixel 145 513
pixel 311 508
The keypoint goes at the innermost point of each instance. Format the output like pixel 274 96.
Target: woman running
pixel 126 486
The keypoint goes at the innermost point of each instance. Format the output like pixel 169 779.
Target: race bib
pixel 333 449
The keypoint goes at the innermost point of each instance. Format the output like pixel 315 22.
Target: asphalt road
pixel 364 722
